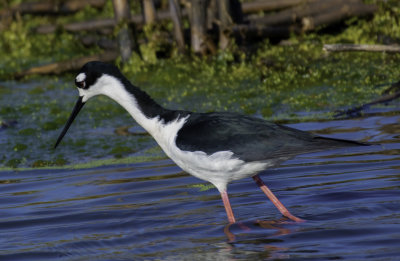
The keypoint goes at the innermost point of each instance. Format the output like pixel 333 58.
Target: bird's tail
pixel 333 142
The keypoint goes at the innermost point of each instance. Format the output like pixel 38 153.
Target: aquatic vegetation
pixel 292 81
pixel 203 187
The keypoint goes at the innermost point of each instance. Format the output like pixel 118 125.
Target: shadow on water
pixel 350 199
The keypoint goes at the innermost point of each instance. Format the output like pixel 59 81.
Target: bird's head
pixel 96 78
pixel 93 79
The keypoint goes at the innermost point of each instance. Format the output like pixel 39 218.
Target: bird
pixel 218 147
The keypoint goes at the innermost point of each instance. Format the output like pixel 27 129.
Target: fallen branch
pixel 356 111
pixel 361 47
pixel 306 9
pixel 70 65
pixel 259 31
pixel 337 14
pixel 103 43
pixel 269 5
pixel 392 87
pixel 54 7
pixel 93 25
pixel 78 26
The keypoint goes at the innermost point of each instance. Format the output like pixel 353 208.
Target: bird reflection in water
pixel 275 227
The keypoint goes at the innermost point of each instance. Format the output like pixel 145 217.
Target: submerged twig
pixel 356 111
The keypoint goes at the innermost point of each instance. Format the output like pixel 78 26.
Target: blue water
pixel 154 211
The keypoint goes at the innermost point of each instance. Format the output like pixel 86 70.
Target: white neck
pixel 113 88
pixel 129 103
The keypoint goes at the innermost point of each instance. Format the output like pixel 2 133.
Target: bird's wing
pixel 249 138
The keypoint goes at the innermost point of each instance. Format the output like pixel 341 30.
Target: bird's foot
pixel 293 218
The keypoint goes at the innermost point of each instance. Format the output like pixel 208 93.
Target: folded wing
pixel 250 138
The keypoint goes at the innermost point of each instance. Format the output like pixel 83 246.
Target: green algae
pixel 14 164
pixel 119 161
pixel 20 147
pixel 203 187
pixel 275 82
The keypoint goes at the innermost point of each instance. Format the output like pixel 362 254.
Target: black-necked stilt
pixel 217 147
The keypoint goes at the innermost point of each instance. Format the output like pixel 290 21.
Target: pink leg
pixel 275 200
pixel 227 205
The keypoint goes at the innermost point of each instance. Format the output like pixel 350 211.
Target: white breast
pixel 219 168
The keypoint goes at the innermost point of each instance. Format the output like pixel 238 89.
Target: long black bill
pixel 78 106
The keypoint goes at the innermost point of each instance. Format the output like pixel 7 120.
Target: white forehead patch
pixel 80 77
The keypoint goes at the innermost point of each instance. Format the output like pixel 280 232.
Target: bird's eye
pixel 80 84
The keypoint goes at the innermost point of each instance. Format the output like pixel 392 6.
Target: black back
pixel 249 138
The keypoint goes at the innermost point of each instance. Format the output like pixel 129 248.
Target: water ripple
pixel 153 211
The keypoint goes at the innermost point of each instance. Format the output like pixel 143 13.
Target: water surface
pixel 154 211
